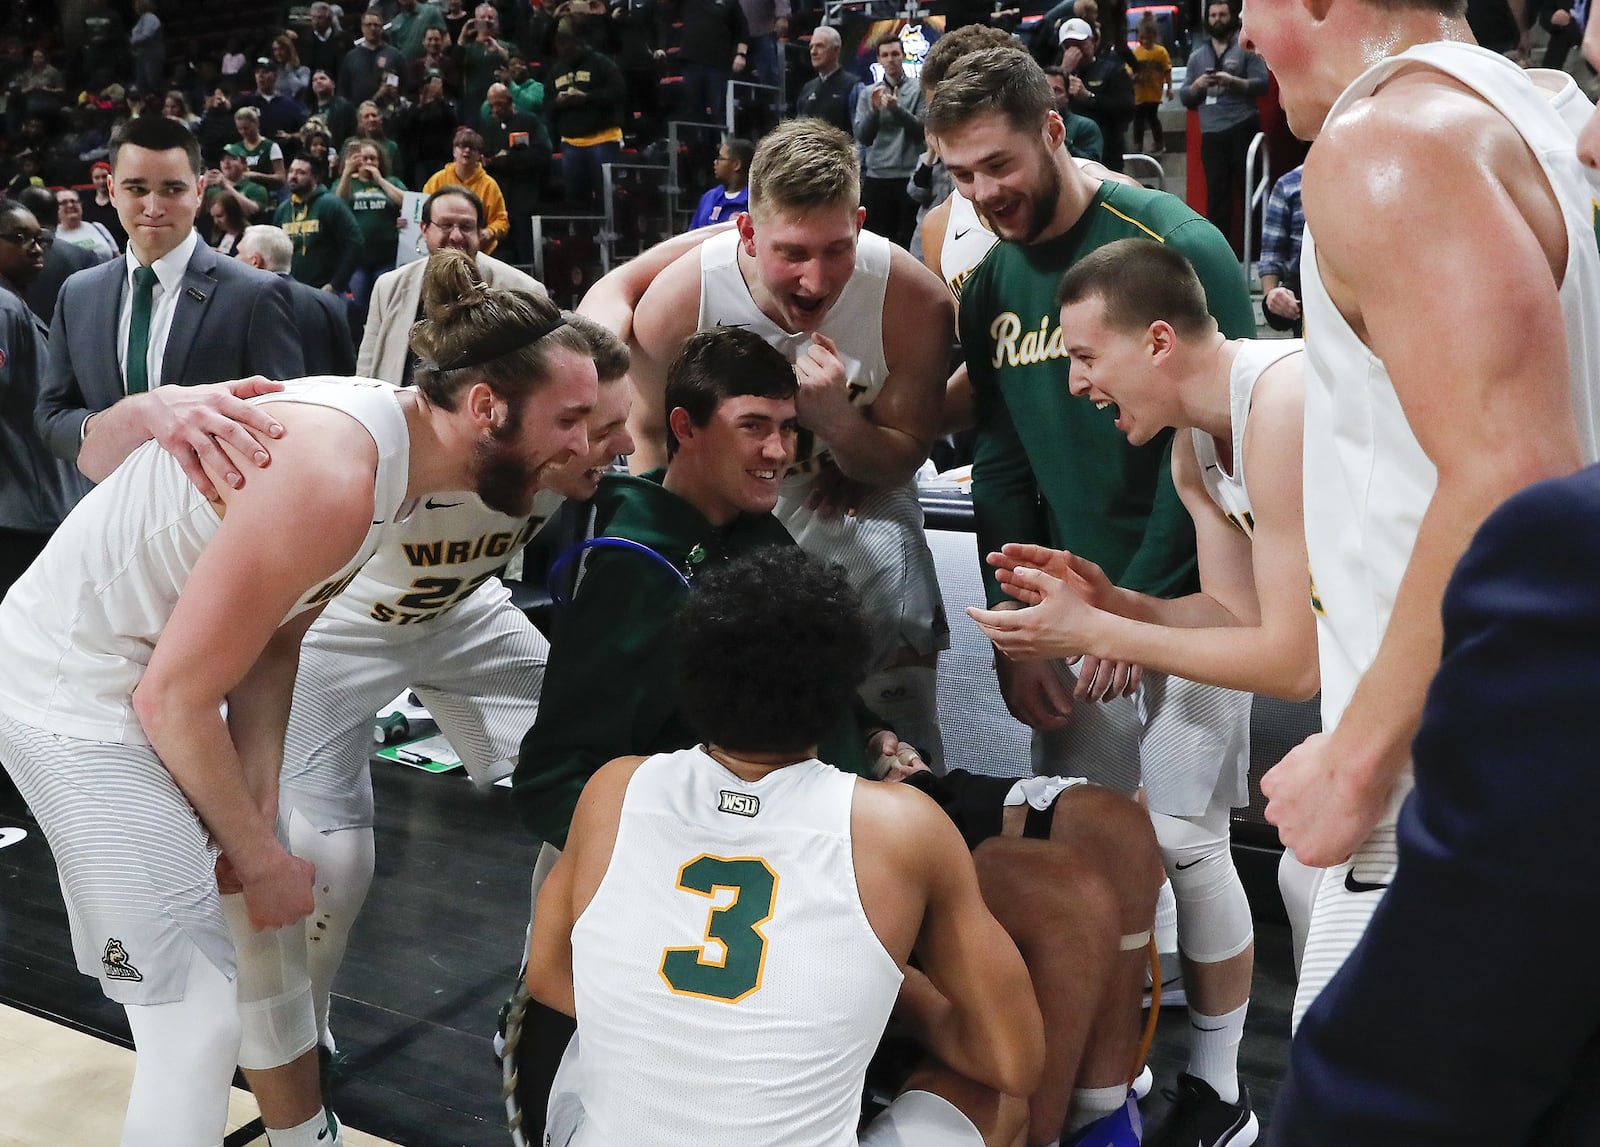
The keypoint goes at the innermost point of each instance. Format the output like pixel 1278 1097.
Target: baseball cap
pixel 1074 29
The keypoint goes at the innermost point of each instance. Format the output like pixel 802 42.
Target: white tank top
pixel 438 550
pixel 1227 486
pixel 854 322
pixel 966 242
pixel 78 628
pixel 1367 481
pixel 729 986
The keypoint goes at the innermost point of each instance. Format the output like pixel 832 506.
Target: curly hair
pixel 771 648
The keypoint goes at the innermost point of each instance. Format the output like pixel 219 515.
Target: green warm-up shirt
pixel 1048 467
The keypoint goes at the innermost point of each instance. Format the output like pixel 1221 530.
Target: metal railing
pixel 1140 159
pixel 677 132
pixel 1256 191
pixel 627 231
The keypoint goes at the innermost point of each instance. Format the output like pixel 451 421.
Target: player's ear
pixel 1055 129
pixel 861 218
pixel 1161 339
pixel 484 407
pixel 747 232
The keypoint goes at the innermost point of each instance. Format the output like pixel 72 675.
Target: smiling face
pixel 526 446
pixel 803 259
pixel 739 455
pixel 1010 175
pixel 157 197
pixel 608 438
pixel 1113 367
pixel 69 208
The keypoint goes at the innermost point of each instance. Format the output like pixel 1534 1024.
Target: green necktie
pixel 144 285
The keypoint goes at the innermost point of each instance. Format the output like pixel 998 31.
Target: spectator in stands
pixel 41 87
pixel 27 174
pixel 527 93
pixel 1281 230
pixel 828 95
pixel 731 194
pixel 406 29
pixel 482 55
pixel 281 116
pixel 587 117
pixel 466 170
pixel 436 57
pixel 318 315
pixel 338 115
pixel 293 77
pixel 228 224
pixel 263 158
pixel 768 22
pixel 71 227
pixel 104 37
pixel 319 44
pixel 1099 85
pixel 231 181
pixel 149 44
pixel 175 105
pixel 516 150
pixel 1223 82
pixel 374 197
pixel 1564 20
pixel 61 260
pixel 369 64
pixel 452 218
pixel 1084 140
pixel 455 19
pixel 713 47
pixel 216 129
pixel 1152 82
pixel 634 28
pixel 234 61
pixel 327 241
pixel 370 126
pixel 99 209
pixel 888 126
pixel 429 129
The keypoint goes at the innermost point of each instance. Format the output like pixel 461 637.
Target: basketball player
pixel 819 886
pixel 867 328
pixel 1052 470
pixel 153 607
pixel 1413 438
pixel 1135 323
pixel 426 612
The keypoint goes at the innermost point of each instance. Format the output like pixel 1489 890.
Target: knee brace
pixel 1213 913
pixel 1298 884
pixel 275 1012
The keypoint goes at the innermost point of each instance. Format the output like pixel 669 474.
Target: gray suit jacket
pixel 231 321
pixel 395 298
pixel 322 318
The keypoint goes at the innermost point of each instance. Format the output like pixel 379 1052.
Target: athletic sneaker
pixel 1172 991
pixel 1200 1119
pixel 1121 1128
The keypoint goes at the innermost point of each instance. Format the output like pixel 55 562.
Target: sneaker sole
pixel 1245 1136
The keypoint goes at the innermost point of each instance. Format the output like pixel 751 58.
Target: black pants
pixel 890 212
pixel 1147 114
pixel 1222 155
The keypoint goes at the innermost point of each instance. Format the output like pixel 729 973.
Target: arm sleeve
pixel 1005 497
pixel 605 693
pixel 1164 565
pixel 1227 296
pixel 1187 94
pixel 62 408
pixel 1275 237
pixel 610 94
pixel 866 117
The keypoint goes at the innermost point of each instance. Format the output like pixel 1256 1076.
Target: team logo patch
pixel 116 962
pixel 739 804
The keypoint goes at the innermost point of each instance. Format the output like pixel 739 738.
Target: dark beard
pixel 1042 210
pixel 502 480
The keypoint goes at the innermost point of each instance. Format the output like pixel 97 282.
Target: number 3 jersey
pixel 729 987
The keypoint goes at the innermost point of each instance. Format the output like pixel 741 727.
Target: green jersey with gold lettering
pixel 1049 467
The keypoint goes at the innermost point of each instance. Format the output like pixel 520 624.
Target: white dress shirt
pixel 169 271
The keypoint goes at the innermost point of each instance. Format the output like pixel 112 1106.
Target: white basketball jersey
pixel 1227 485
pixel 729 986
pixel 79 626
pixel 854 322
pixel 966 241
pixel 1367 481
pixel 438 550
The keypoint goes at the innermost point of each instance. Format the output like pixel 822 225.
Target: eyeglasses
pixel 462 229
pixel 28 239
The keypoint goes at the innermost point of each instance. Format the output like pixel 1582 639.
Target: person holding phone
pixel 1224 81
pixel 374 197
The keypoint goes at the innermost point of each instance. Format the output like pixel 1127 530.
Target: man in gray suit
pixel 171 312
pixel 451 217
pixel 320 316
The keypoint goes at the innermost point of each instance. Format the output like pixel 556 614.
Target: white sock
pixel 1214 1050
pixel 1166 919
pixel 321 1130
pixel 1091 1103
